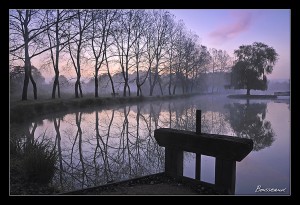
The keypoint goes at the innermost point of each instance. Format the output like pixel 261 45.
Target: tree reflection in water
pixel 100 146
pixel 248 121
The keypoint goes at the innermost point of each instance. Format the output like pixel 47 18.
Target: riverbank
pixel 252 96
pixel 21 111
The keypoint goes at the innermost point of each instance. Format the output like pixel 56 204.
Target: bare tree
pixel 100 31
pixel 158 42
pixel 79 28
pixel 124 41
pixel 171 49
pixel 139 47
pixel 201 61
pixel 27 28
pixel 179 45
pixel 56 34
pixel 214 66
pixel 189 56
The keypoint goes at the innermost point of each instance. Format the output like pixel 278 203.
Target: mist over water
pixel 104 145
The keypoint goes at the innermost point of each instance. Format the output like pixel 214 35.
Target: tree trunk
pixel 248 91
pixel 55 84
pixel 96 83
pixel 34 87
pixel 124 89
pixel 76 89
pixel 58 89
pixel 109 75
pixel 27 59
pixel 161 90
pixel 150 81
pixel 26 82
pixel 56 60
pixel 33 82
pixel 57 53
pixel 151 90
pixel 80 90
pixel 128 89
pixel 174 89
pixel 170 82
pixel 137 91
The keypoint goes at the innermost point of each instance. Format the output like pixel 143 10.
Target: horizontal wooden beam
pixel 221 146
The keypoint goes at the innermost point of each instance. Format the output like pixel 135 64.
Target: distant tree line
pixel 160 51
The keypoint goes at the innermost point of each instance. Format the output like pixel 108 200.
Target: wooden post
pixel 173 161
pixel 198 121
pixel 198 166
pixel 225 174
pixel 198 155
pixel 226 149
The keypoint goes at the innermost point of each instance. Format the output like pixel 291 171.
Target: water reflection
pixel 248 121
pixel 100 146
pixel 105 146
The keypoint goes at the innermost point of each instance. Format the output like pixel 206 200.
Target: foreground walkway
pixel 157 184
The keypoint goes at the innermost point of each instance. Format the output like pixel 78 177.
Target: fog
pixel 207 83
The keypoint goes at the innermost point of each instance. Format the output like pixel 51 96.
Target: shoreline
pixel 243 96
pixel 21 111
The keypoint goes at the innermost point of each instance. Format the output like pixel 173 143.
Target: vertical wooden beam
pixel 173 161
pixel 198 155
pixel 225 174
pixel 198 166
pixel 198 121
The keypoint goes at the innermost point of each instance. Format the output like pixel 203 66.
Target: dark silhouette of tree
pixel 100 31
pixel 157 41
pixel 59 151
pixel 78 28
pixel 23 39
pixel 125 37
pixel 252 64
pixel 27 30
pixel 17 76
pixel 56 33
pixel 248 121
pixel 129 46
pixel 139 48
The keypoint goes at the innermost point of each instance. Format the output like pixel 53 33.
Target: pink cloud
pixel 227 32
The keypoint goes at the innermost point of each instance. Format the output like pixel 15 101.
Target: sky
pixel 227 29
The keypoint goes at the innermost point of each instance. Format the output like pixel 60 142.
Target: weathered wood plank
pixel 198 121
pixel 220 146
pixel 198 167
pixel 173 161
pixel 225 175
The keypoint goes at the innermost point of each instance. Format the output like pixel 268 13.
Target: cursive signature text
pixel 260 189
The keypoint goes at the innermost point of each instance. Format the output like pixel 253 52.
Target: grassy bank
pixel 21 111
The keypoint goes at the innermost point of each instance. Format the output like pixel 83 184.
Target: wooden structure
pixel 226 149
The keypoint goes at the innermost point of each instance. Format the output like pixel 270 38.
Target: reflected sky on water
pixel 100 146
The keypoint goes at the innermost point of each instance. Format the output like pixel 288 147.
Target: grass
pixel 33 160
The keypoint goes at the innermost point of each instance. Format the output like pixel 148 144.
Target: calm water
pixel 104 145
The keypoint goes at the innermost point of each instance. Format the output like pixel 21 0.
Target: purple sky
pixel 227 29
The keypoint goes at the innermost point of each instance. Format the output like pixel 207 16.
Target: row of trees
pixel 149 43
